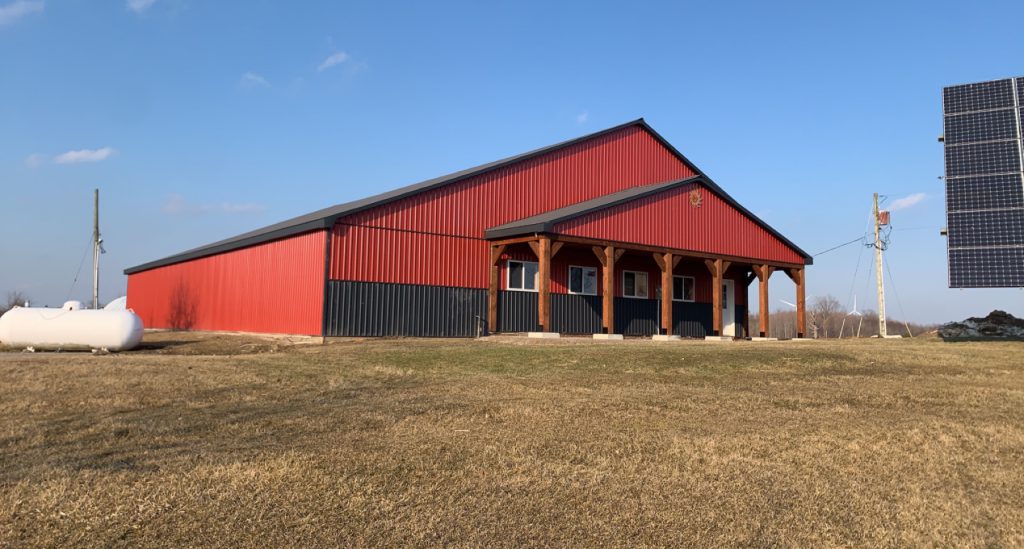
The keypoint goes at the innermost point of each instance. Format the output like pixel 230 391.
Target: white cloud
pixel 907 201
pixel 177 205
pixel 252 80
pixel 35 160
pixel 332 60
pixel 582 117
pixel 84 155
pixel 18 9
pixel 139 6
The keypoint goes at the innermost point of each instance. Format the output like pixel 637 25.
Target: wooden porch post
pixel 715 266
pixel 763 272
pixel 492 289
pixel 797 275
pixel 544 292
pixel 665 263
pixel 607 256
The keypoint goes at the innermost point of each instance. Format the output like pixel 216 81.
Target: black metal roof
pixel 325 218
pixel 545 222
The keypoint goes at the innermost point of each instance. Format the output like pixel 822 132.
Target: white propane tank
pixel 70 328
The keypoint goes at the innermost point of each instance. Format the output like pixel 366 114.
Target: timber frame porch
pixel 546 246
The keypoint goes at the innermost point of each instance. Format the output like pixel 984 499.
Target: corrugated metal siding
pixel 366 309
pixel 517 311
pixel 692 319
pixel 276 287
pixel 668 219
pixel 603 165
pixel 370 254
pixel 637 317
pixel 575 314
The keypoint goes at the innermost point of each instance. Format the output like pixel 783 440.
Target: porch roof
pixel 545 222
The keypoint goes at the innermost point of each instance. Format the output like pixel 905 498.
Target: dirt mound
pixel 997 325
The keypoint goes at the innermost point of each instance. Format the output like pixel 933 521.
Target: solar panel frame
pixel 984 161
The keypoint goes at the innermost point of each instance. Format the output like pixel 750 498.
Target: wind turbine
pixel 854 312
pixel 793 305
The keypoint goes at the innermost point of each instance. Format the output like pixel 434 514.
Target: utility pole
pixel 878 270
pixel 96 248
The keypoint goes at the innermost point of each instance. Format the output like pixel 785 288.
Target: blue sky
pixel 201 120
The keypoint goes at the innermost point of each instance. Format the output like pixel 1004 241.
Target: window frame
pixel 584 268
pixel 508 275
pixel 693 280
pixel 646 295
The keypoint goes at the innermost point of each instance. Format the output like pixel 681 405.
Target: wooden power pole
pixel 96 241
pixel 878 269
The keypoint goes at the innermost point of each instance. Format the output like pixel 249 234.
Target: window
pixel 582 280
pixel 634 284
pixel 683 288
pixel 522 275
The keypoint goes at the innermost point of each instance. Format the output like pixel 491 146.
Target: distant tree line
pixel 13 299
pixel 826 318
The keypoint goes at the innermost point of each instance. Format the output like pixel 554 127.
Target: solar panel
pixel 997 94
pixel 985 268
pixel 984 157
pixel 981 126
pixel 986 192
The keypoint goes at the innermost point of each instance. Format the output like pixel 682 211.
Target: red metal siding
pixel 369 254
pixel 668 219
pixel 606 164
pixel 276 287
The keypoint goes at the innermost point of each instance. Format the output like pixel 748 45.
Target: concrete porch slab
pixel 764 339
pixel 544 335
pixel 718 338
pixel 660 337
pixel 615 337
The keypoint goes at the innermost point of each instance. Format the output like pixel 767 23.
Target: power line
pixel 79 271
pixel 858 239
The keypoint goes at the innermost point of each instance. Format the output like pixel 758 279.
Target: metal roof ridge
pixel 327 216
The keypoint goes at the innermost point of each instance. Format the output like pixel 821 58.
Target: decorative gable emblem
pixel 695 199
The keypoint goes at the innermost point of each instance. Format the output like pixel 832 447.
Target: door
pixel 728 308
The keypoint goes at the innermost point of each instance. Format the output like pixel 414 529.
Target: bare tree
pixel 825 312
pixel 15 298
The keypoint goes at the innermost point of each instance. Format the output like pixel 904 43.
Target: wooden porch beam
pixel 623 246
pixel 516 240
pixel 535 246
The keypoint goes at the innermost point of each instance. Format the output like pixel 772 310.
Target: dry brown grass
pixel 222 441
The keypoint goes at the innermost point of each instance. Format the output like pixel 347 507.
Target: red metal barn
pixel 612 232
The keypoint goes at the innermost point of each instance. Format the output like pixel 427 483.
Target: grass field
pixel 233 441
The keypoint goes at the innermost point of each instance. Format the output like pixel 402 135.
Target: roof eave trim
pixel 198 253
